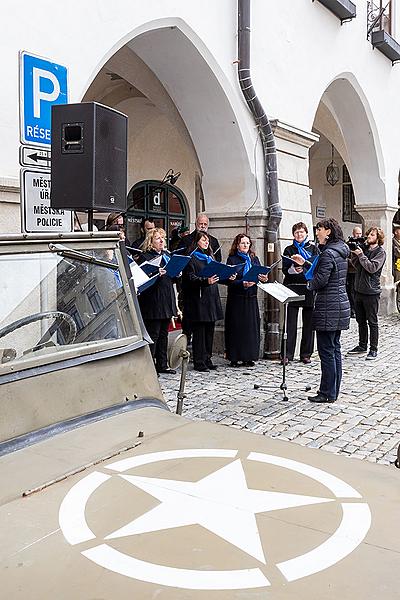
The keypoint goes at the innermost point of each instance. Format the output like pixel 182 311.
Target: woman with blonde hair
pixel 157 303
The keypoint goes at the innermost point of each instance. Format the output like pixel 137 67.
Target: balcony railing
pixel 379 16
pixel 379 29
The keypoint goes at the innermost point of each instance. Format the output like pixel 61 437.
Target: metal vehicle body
pixel 107 494
pixel 85 363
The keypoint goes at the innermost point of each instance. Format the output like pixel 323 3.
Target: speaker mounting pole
pixel 90 219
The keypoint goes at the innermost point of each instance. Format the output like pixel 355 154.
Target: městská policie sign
pixel 37 215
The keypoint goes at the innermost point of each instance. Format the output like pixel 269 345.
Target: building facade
pixel 172 67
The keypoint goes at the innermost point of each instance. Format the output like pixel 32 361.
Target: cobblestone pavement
pixel 363 423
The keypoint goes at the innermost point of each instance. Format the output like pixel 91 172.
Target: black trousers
pixel 367 316
pixel 307 333
pixel 351 291
pixel 158 331
pixel 328 344
pixel 202 344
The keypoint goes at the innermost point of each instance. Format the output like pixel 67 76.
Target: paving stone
pixel 364 423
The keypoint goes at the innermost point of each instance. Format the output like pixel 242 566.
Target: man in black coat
pixel 368 262
pixel 202 223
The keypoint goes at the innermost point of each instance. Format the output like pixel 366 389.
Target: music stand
pixel 284 296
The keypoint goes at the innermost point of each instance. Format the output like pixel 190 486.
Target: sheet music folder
pixel 222 270
pixel 140 279
pixel 176 264
pixel 256 270
pixel 280 292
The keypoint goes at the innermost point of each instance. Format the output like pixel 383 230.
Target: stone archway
pixel 345 119
pixel 168 66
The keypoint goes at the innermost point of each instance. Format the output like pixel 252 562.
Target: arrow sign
pixel 38 158
pixel 29 155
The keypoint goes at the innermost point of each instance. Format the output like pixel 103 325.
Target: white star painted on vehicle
pixel 220 502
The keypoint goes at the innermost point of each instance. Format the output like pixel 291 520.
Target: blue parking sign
pixel 42 84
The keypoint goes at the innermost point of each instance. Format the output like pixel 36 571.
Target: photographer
pixel 354 241
pixel 368 262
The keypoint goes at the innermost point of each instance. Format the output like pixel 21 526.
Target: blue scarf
pixel 307 256
pixel 301 249
pixel 201 256
pixel 309 274
pixel 166 259
pixel 247 260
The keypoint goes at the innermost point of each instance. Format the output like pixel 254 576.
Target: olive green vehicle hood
pixel 149 505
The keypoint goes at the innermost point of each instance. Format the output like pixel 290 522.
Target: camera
pixel 356 242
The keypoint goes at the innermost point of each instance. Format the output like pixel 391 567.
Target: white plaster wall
pixel 298 49
pixel 303 49
pixel 156 145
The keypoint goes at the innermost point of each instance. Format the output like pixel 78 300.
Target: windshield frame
pixel 86 351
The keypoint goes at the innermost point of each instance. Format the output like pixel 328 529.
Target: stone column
pixel 292 146
pixel 381 215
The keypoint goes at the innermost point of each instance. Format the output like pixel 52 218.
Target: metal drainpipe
pixel 274 209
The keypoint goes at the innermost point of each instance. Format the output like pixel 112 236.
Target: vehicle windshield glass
pixel 51 302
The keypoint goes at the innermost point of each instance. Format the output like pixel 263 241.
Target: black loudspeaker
pixel 88 157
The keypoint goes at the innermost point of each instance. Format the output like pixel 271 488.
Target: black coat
pixel 297 282
pixel 187 242
pixel 201 301
pixel 242 317
pixel 332 306
pixel 158 301
pixel 369 268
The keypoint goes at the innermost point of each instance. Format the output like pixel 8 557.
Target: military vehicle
pixel 107 494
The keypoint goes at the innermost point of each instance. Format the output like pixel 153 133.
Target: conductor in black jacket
pixel 296 281
pixel 201 302
pixel 157 303
pixel 202 223
pixel 332 307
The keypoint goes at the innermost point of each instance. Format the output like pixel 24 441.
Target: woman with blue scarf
pixel 201 302
pixel 295 278
pixel 242 316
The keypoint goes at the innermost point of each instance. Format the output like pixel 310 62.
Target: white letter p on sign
pixel 38 95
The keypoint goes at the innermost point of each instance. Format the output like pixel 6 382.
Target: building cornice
pixel 290 133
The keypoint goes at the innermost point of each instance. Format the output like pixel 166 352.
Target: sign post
pixel 37 215
pixel 42 84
